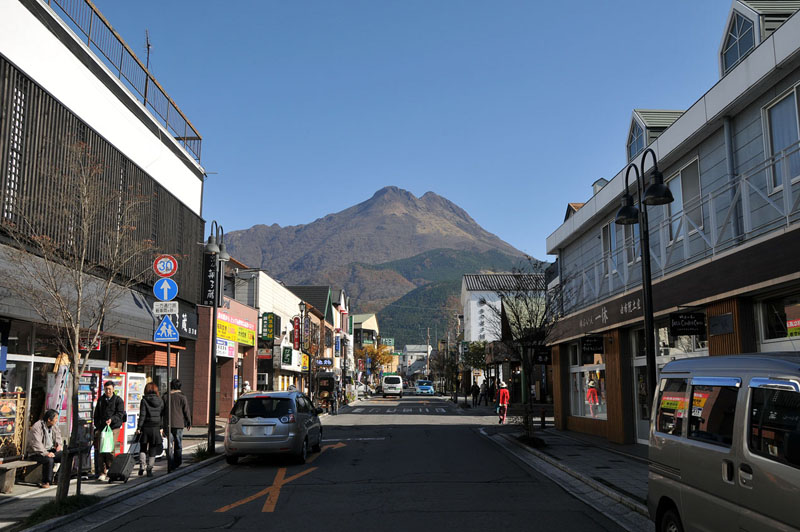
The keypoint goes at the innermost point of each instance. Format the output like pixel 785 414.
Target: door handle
pixel 746 475
pixel 727 471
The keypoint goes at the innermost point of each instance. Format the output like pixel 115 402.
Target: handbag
pixel 107 440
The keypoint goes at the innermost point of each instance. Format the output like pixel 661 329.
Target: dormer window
pixel 739 42
pixel 635 140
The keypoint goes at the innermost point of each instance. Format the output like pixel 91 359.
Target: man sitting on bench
pixel 44 446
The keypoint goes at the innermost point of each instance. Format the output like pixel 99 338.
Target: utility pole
pixel 428 355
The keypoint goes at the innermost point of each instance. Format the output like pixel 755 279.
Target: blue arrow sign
pixel 165 289
pixel 166 332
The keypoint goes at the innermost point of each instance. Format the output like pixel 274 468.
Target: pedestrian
pixel 503 399
pixel 44 445
pixel 475 393
pixel 148 429
pixel 109 412
pixel 181 418
pixel 484 394
pixel 491 390
pixel 334 400
pixel 246 388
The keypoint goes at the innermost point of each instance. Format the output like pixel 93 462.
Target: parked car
pixel 362 390
pixel 725 444
pixel 273 422
pixel 392 385
pixel 424 388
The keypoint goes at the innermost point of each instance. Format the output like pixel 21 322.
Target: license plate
pixel 257 430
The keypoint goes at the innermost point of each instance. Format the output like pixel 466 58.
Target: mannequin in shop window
pixel 592 397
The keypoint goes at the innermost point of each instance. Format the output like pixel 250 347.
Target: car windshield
pixel 423 383
pixel 391 380
pixel 261 407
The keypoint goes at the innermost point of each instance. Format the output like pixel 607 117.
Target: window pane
pixel 671 406
pixel 775 425
pixel 782 317
pixel 588 394
pixel 713 412
pixel 783 133
pixel 676 207
pixel 690 189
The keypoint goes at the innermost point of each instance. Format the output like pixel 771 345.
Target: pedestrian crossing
pixel 398 410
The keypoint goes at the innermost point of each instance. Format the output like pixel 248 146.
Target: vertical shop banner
pixel 286 356
pixel 209 279
pixel 296 336
pixel 5 329
pixel 337 350
pixel 307 333
pixel 304 365
pixel 268 326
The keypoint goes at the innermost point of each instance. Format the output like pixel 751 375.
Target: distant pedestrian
pixel 475 393
pixel 180 419
pixel 334 400
pixel 246 387
pixel 503 398
pixel 109 412
pixel 44 445
pixel 149 428
pixel 484 394
pixel 491 390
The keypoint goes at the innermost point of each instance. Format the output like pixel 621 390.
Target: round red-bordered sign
pixel 165 265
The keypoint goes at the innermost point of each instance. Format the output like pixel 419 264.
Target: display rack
pixel 12 414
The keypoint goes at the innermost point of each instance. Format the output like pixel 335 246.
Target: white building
pixel 413 362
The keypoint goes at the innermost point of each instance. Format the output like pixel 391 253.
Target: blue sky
pixel 509 108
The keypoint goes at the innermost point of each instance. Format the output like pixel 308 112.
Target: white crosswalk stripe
pixel 440 410
pixel 355 410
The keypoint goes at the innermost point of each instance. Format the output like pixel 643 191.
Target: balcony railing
pixel 744 208
pixel 83 16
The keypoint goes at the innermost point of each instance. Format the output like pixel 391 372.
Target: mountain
pixel 393 224
pixel 394 254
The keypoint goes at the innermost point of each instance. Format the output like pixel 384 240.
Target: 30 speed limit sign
pixel 165 266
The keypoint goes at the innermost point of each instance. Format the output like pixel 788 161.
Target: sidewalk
pixel 15 507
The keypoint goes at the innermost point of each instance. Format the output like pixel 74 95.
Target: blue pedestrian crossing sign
pixel 165 289
pixel 166 332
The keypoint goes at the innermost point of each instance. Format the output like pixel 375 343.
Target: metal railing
pixel 100 36
pixel 751 205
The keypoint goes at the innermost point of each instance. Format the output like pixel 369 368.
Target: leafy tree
pixel 379 356
pixel 475 355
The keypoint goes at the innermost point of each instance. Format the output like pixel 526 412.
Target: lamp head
pixel 223 254
pixel 658 193
pixel 628 213
pixel 211 245
pixel 301 306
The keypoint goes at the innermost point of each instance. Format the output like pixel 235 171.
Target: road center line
pixel 356 439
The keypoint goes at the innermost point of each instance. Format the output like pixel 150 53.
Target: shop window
pixel 781 317
pixel 712 415
pixel 775 425
pixel 679 346
pixel 587 383
pixel 671 406
pixel 783 134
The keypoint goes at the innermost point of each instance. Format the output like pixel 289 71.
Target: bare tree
pixel 77 247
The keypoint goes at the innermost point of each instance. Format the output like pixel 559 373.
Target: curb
pixel 112 499
pixel 597 486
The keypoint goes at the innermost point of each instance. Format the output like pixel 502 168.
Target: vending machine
pixel 133 399
pixel 89 389
pixel 120 388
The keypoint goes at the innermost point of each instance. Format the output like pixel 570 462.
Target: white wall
pixel 38 53
pixel 472 316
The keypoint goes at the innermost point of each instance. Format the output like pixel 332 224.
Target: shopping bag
pixel 107 440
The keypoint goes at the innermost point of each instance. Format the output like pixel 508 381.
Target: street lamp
pixel 656 194
pixel 303 311
pixel 215 247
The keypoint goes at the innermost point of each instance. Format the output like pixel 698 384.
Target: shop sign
pixel 226 348
pixel 86 345
pixel 268 326
pixel 792 320
pixel 592 344
pixel 687 323
pixel 387 341
pixel 235 329
pixel 5 329
pixel 210 280
pixel 296 327
pixel 350 325
pixel 304 365
pixel 722 324
pixel 286 357
pixel 338 345
pixel 367 341
pixel 324 362
pixel 542 356
pixel 264 353
pixel 307 333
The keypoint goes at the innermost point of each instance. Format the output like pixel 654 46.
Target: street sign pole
pixel 166 289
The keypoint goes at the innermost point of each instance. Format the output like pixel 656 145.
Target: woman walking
pixel 503 398
pixel 149 428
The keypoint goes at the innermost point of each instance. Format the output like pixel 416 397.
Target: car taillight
pixel 288 419
pixel 233 420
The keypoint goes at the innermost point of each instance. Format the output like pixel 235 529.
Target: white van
pixel 392 385
pixel 725 444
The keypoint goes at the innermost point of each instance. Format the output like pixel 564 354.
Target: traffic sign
pixel 165 289
pixel 162 308
pixel 166 332
pixel 165 265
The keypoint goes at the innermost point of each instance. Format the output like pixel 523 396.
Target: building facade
pixel 724 280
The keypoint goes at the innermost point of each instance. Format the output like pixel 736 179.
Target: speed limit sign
pixel 165 266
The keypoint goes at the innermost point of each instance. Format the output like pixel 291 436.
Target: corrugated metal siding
pixel 502 281
pixel 657 118
pixel 765 7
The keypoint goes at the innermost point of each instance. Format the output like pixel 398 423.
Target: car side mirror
pixel 318 410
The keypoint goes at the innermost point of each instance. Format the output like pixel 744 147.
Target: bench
pixel 8 472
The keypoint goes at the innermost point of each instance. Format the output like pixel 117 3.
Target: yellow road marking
pixel 273 492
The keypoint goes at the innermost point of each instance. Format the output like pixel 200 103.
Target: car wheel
pixel 318 447
pixel 232 459
pixel 670 522
pixel 303 455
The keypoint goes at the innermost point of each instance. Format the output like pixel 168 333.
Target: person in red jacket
pixel 503 398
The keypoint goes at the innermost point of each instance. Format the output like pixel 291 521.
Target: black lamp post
pixel 303 312
pixel 215 247
pixel 656 194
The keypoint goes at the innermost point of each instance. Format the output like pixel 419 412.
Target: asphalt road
pixel 386 465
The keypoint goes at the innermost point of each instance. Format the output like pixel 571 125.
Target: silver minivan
pixel 725 444
pixel 392 385
pixel 273 422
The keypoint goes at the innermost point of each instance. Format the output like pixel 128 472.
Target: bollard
pixel 543 418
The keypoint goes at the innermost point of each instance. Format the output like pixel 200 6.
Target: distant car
pixel 273 422
pixel 424 388
pixel 361 389
pixel 392 385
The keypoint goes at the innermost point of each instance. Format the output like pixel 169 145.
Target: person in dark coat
pixel 149 428
pixel 110 411
pixel 181 418
pixel 475 392
pixel 491 390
